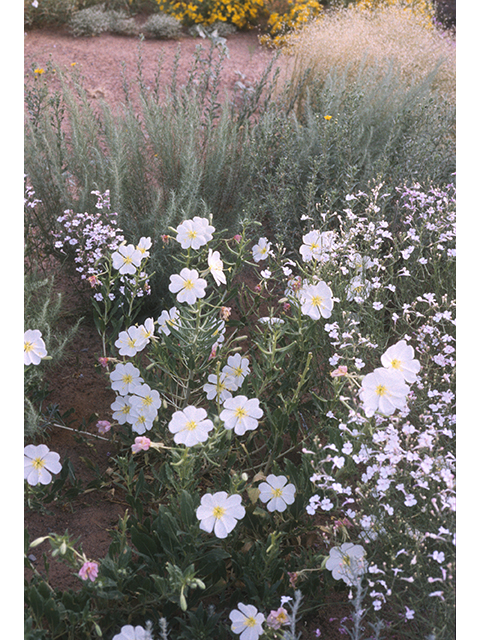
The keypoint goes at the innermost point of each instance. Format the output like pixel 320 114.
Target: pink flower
pixel 141 444
pixel 103 361
pixel 237 237
pixel 89 571
pixel 278 618
pixel 103 426
pixel 341 371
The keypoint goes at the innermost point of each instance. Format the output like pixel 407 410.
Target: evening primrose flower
pixel 124 378
pixel 277 493
pixel 316 245
pixel 219 387
pixel 187 285
pixel 168 319
pixel 219 513
pixel 131 341
pixel 126 259
pixel 146 400
pixel 142 443
pixel 400 357
pixel 278 618
pixel 316 300
pixel 190 426
pixel 33 347
pixel 247 621
pixel 147 329
pixel 241 414
pixel 216 267
pixel 194 233
pixel 121 408
pixel 144 244
pixel 133 633
pixel 383 390
pixel 89 571
pixel 140 420
pixel 103 426
pixel 358 289
pixel 39 463
pixel 261 250
pixel 237 368
pixel 347 563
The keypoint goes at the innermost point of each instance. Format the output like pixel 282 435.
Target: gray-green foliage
pixel 94 20
pixel 42 311
pixel 162 25
pixel 170 151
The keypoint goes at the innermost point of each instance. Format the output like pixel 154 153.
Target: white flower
pixel 277 493
pixel 358 289
pixel 35 4
pixel 133 633
pixel 124 378
pixel 190 426
pixel 347 562
pixel 130 342
pixel 39 463
pixel 247 621
pixel 188 286
pixel 316 300
pixel 216 267
pixel 126 259
pixel 144 244
pixel 219 387
pixel 168 319
pixel 147 329
pixel 146 400
pixel 194 233
pixel 121 408
pixel 383 390
pixel 236 368
pixel 140 419
pixel 271 320
pixel 400 357
pixel 33 347
pixel 360 263
pixel 219 513
pixel 316 245
pixel 241 414
pixel 261 250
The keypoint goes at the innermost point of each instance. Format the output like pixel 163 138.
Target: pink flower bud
pixel 141 444
pixel 89 571
pixel 103 426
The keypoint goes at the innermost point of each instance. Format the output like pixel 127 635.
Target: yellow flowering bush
pixel 241 13
pixel 295 14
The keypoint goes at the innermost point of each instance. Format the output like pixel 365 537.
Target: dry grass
pixel 345 40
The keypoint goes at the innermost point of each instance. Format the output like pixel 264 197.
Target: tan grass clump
pixel 375 36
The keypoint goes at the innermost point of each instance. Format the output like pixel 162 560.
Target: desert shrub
pixel 286 17
pixel 241 13
pixel 162 26
pixel 377 35
pixel 97 19
pixel 41 13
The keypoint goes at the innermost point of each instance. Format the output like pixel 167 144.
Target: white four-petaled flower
pixel 247 621
pixel 124 378
pixel 261 250
pixel 241 414
pixel 216 267
pixel 383 390
pixel 128 632
pixel 131 341
pixel 220 512
pixel 277 493
pixel 168 319
pixel 347 563
pixel 316 245
pixel 126 259
pixel 33 347
pixel 316 300
pixel 39 463
pixel 237 368
pixel 400 357
pixel 190 426
pixel 187 285
pixel 194 233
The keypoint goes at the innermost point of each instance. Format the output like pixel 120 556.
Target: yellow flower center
pixel 127 378
pixel 126 409
pixel 381 390
pixel 396 364
pixel 191 425
pixel 250 622
pixel 127 260
pixel 314 245
pixel 282 617
pixel 131 342
pixel 219 512
pixel 189 284
pixel 38 463
pixel 317 301
pixel 28 346
pixel 240 413
pixel 277 493
pixel 238 372
pixel 192 234
pixel 147 401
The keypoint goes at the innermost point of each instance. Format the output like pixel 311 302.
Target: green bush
pixel 162 26
pixel 97 19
